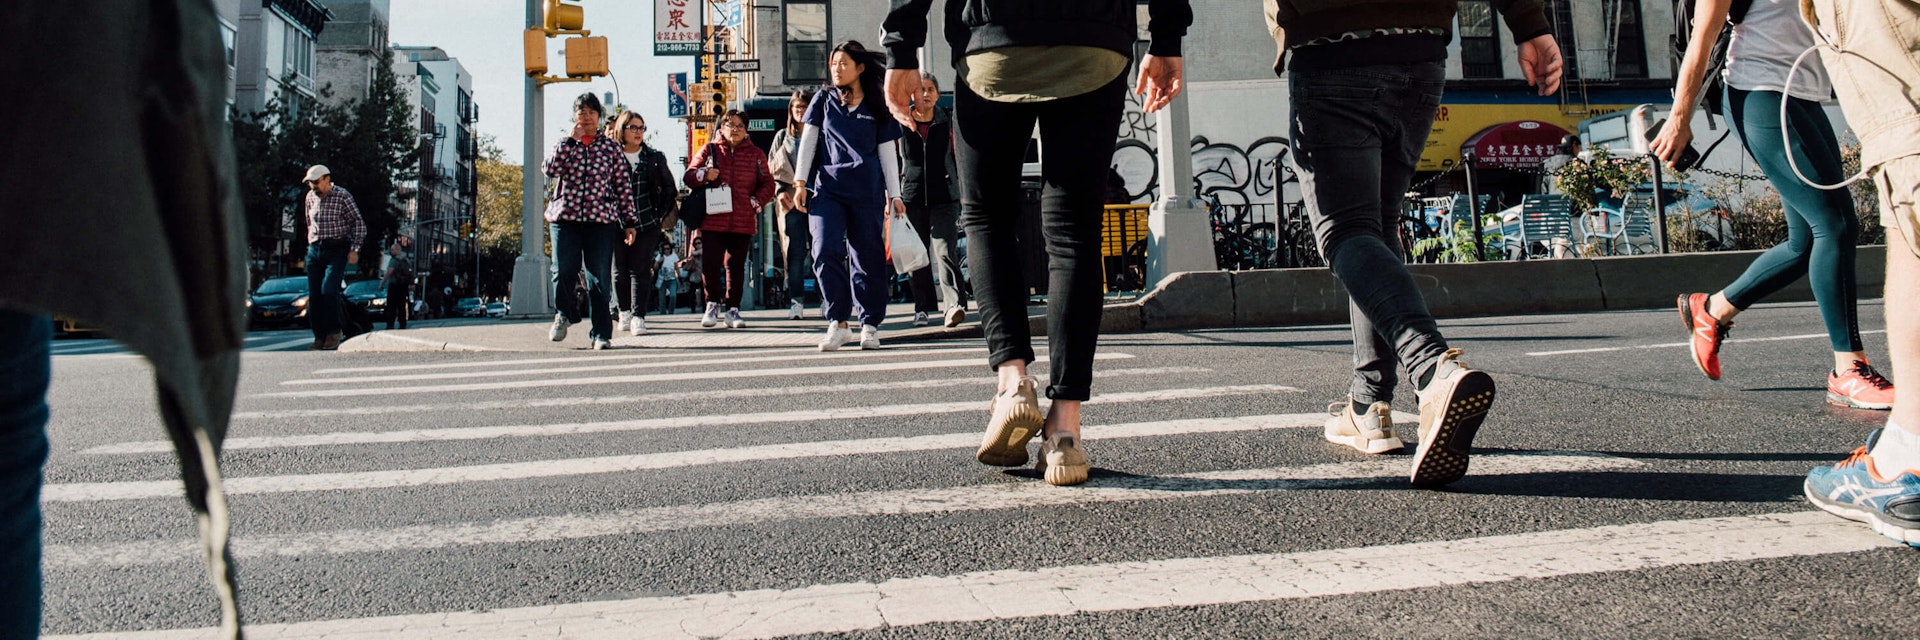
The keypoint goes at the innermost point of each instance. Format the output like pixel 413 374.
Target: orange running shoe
pixel 1860 387
pixel 1707 331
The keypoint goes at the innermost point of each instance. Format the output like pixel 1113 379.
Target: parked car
pixel 469 308
pixel 278 302
pixel 496 309
pixel 363 293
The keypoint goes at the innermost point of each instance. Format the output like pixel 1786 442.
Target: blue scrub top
pixel 849 165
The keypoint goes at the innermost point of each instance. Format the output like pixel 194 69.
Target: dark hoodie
pixel 1307 20
pixel 979 25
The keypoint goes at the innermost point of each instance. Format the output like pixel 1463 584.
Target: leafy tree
pixel 499 203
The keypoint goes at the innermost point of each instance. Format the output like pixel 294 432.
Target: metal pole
pixel 1659 208
pixel 1473 211
pixel 530 297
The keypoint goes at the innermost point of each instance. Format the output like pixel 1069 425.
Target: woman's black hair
pixel 589 101
pixel 872 80
pixel 801 96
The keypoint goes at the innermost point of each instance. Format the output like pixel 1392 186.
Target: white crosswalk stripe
pixel 255 343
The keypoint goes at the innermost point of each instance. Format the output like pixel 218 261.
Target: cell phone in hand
pixel 1688 156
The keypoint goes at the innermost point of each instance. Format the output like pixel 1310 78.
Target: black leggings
pixel 633 271
pixel 990 140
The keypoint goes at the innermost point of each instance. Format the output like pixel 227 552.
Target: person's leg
pixel 567 260
pixel 405 310
pixel 1080 129
pixel 625 260
pixel 25 373
pixel 990 138
pixel 738 245
pixel 866 239
pixel 316 276
pixel 925 299
pixel 799 247
pixel 645 266
pixel 945 251
pixel 597 249
pixel 333 285
pixel 827 224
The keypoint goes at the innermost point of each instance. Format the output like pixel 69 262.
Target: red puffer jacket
pixel 742 167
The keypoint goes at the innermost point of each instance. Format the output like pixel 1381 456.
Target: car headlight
pixel 377 301
pixel 249 303
pixel 302 302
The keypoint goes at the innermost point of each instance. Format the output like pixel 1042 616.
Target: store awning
pixel 1522 144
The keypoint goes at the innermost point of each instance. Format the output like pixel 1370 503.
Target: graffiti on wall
pixel 1255 174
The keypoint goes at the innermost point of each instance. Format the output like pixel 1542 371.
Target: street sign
pixel 677 95
pixel 762 125
pixel 699 92
pixel 739 66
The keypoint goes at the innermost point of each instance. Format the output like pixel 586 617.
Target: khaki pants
pixel 1874 70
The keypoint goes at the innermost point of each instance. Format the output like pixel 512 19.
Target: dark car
pixel 278 302
pixel 369 296
pixel 470 308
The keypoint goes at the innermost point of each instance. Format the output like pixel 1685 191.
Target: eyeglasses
pixel 634 127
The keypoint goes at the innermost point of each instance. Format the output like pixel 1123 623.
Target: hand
pixel 901 85
pixel 1161 79
pixel 785 199
pixel 710 175
pixel 800 196
pixel 581 130
pixel 1673 140
pixel 631 234
pixel 353 257
pixel 1540 63
pixel 897 206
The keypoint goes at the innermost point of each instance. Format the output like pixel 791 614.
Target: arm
pixel 1540 59
pixel 890 167
pixel 695 167
pixel 622 191
pixel 1527 19
pixel 762 183
pixel 1167 22
pixel 809 147
pixel 1678 132
pixel 559 158
pixel 664 199
pixel 904 30
pixel 359 224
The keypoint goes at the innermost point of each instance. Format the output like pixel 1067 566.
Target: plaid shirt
pixel 594 183
pixel 334 217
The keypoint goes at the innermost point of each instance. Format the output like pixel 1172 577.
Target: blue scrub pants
pixel 850 225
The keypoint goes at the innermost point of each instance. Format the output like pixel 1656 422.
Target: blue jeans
pixel 24 375
pixel 839 226
pixel 326 268
pixel 591 244
pixel 1357 136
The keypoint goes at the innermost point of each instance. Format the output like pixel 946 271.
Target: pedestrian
pixel 667 277
pixel 654 207
pixel 795 240
pixel 927 183
pixel 1873 63
pixel 334 233
pixel 847 181
pixel 1365 85
pixel 591 213
pixel 399 284
pixel 689 269
pixel 726 237
pixel 1062 65
pixel 154 255
pixel 1822 228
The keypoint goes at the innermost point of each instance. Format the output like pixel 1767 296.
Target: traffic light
pixel 586 56
pixel 466 230
pixel 719 97
pixel 562 17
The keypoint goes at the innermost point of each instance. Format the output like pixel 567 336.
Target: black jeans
pixel 1357 136
pixel 633 275
pixel 799 252
pixel 936 226
pixel 326 269
pixel 990 140
pixel 399 307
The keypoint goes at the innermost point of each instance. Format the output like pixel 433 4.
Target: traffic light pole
pixel 531 279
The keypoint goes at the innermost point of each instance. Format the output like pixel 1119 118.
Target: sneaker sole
pixel 1066 475
pixel 1686 322
pixel 1838 400
pixel 1443 454
pixel 1897 533
pixel 1006 442
pixel 1361 443
pixel 952 322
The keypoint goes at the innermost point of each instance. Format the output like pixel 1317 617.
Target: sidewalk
pixel 768 328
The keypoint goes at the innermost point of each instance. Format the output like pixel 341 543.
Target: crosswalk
pixel 741 450
pixel 256 342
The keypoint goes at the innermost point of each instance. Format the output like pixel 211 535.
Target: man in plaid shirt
pixel 334 234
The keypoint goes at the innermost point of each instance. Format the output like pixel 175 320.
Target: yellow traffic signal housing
pixel 561 16
pixel 586 57
pixel 536 51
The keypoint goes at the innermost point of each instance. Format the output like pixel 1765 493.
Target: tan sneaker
pixel 1452 407
pixel 1062 461
pixel 1016 418
pixel 1371 433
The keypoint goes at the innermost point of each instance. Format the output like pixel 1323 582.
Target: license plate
pixel 269 314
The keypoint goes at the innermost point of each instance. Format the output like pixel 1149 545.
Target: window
pixel 297 57
pixel 1629 45
pixel 1479 40
pixel 228 36
pixel 806 52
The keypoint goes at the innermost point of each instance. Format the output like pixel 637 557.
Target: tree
pixel 500 189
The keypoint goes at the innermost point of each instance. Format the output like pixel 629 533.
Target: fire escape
pixel 1573 85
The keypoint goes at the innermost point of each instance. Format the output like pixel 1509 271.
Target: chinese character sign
pixel 676 27
pixel 676 95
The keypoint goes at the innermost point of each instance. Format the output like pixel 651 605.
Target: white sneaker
pixel 869 337
pixel 1370 433
pixel 638 327
pixel 796 310
pixel 837 335
pixel 559 330
pixel 733 319
pixel 712 316
pixel 955 316
pixel 626 320
pixel 602 344
pixel 920 319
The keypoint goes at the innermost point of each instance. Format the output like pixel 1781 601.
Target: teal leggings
pixel 1821 226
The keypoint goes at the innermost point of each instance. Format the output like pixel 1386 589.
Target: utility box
pixel 586 57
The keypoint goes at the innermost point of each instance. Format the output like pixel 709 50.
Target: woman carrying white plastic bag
pixel 904 248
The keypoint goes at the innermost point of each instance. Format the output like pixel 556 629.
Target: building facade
pixel 274 49
pixel 348 51
pixel 440 90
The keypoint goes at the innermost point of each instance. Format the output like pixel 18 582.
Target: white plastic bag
pixel 904 247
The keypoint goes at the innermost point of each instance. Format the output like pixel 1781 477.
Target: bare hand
pixel 1673 141
pixel 1540 63
pixel 785 199
pixel 1161 80
pixel 631 234
pixel 901 85
pixel 710 175
pixel 800 196
pixel 897 206
pixel 353 257
pixel 582 130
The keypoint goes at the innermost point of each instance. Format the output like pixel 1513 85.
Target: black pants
pixel 936 226
pixel 991 138
pixel 1357 136
pixel 633 271
pixel 398 306
pixel 799 253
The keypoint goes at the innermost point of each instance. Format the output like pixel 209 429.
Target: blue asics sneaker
pixel 1855 490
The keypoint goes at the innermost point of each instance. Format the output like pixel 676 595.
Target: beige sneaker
pixel 1452 407
pixel 1016 418
pixel 1062 461
pixel 1371 433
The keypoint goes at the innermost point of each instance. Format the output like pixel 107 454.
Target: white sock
pixel 1898 450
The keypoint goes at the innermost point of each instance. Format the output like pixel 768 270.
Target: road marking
pixel 993 497
pixel 277 346
pixel 359 480
pixel 677 422
pixel 682 376
pixel 661 354
pixel 64 350
pixel 734 359
pixel 116 348
pixel 1122 586
pixel 1674 345
pixel 714 394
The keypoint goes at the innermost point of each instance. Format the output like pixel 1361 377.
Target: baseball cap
pixel 314 172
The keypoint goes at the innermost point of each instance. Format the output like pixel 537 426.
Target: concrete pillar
pixel 531 271
pixel 1179 234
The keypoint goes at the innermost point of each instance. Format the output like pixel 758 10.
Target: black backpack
pixel 1713 88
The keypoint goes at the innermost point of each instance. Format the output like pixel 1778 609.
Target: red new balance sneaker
pixel 1860 387
pixel 1707 333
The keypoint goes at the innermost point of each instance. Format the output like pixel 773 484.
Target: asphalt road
pixel 777 492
